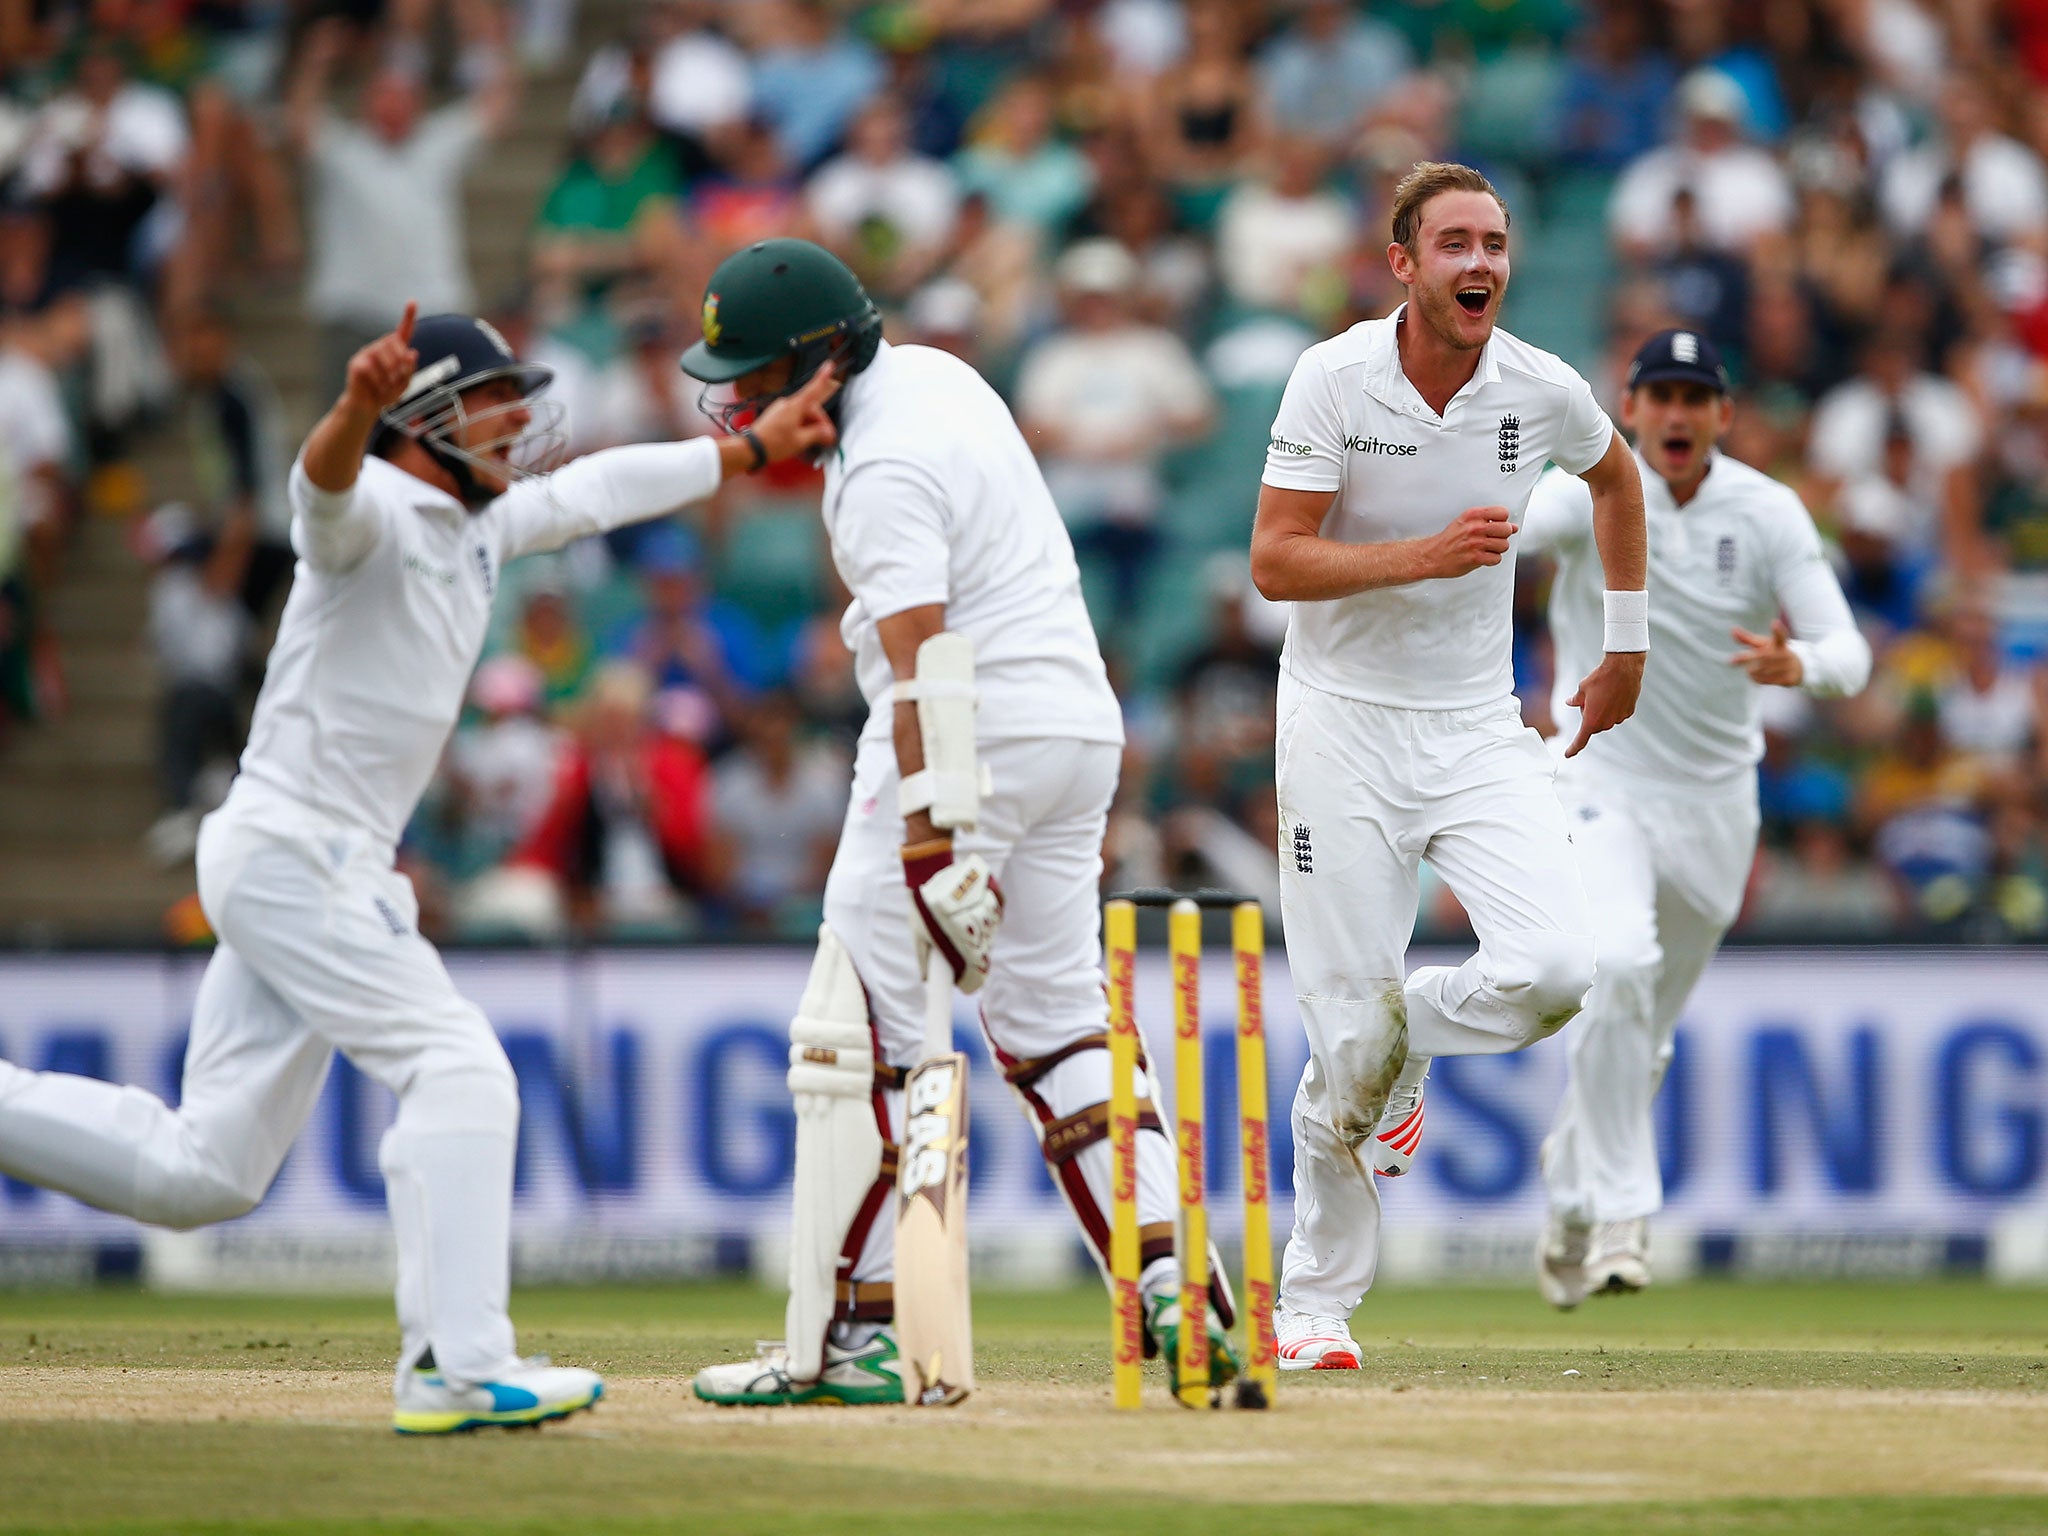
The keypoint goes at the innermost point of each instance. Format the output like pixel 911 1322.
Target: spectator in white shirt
pixel 1741 194
pixel 385 195
pixel 36 429
pixel 2004 186
pixel 1892 390
pixel 1101 401
pixel 885 210
pixel 1991 707
pixel 100 168
pixel 700 81
pixel 1285 234
pixel 1326 72
pixel 505 763
pixel 200 633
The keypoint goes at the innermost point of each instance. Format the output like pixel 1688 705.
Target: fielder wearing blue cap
pixel 410 495
pixel 1663 809
pixel 1679 357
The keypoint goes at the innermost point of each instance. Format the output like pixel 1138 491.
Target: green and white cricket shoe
pixel 865 1375
pixel 1162 1321
pixel 531 1393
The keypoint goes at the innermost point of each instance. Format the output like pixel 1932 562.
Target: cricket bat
pixel 934 1322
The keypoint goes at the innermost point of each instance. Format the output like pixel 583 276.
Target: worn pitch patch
pixel 1430 1444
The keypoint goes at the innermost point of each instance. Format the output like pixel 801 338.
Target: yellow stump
pixel 1184 941
pixel 1248 943
pixel 1127 1320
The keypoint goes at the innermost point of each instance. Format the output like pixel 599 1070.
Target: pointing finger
pixel 405 324
pixel 819 387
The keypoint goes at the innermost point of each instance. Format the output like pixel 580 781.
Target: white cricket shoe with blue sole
pixel 530 1393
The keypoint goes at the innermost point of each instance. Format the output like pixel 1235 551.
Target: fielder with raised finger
pixel 1663 811
pixel 1401 459
pixel 973 842
pixel 408 498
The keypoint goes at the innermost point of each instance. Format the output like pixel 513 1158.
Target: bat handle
pixel 938 1007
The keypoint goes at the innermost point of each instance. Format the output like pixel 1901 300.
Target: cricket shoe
pixel 531 1393
pixel 1309 1341
pixel 1399 1133
pixel 1163 1323
pixel 1620 1262
pixel 862 1375
pixel 1561 1261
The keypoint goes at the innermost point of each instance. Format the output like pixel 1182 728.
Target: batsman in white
pixel 1663 811
pixel 408 498
pixel 939 522
pixel 1401 459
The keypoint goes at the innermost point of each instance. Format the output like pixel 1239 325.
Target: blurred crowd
pixel 1132 216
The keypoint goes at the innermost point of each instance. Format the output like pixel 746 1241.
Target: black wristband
pixel 753 440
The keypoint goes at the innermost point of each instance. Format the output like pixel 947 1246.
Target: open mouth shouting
pixel 1678 446
pixel 1474 300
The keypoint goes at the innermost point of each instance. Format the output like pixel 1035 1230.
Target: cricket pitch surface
pixel 1707 1407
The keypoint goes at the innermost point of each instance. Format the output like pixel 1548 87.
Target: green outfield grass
pixel 1704 1408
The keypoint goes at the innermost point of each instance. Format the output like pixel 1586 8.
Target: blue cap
pixel 1684 356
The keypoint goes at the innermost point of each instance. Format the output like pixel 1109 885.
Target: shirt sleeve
pixel 892 538
pixel 1585 432
pixel 1306 449
pixel 456 132
pixel 1831 650
pixel 602 491
pixel 1559 514
pixel 332 531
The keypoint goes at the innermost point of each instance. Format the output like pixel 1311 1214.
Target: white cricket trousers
pixel 1041 831
pixel 1664 869
pixel 1366 793
pixel 319 951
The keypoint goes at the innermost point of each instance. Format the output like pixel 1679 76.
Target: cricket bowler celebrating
pixel 1401 458
pixel 942 528
pixel 408 498
pixel 1663 811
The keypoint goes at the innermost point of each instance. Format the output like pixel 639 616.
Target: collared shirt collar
pixel 1386 382
pixel 855 389
pixel 431 501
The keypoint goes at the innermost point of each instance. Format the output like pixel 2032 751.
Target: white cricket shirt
pixel 934 497
pixel 1352 423
pixel 1740 551
pixel 389 605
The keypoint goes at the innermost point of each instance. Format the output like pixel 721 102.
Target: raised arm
pixel 329 527
pixel 306 96
pixel 1608 695
pixel 641 481
pixel 487 69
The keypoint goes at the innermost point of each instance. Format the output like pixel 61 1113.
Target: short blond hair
pixel 1428 178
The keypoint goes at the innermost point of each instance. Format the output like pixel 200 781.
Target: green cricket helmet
pixel 782 298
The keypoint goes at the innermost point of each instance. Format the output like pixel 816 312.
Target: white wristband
pixel 1628 621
